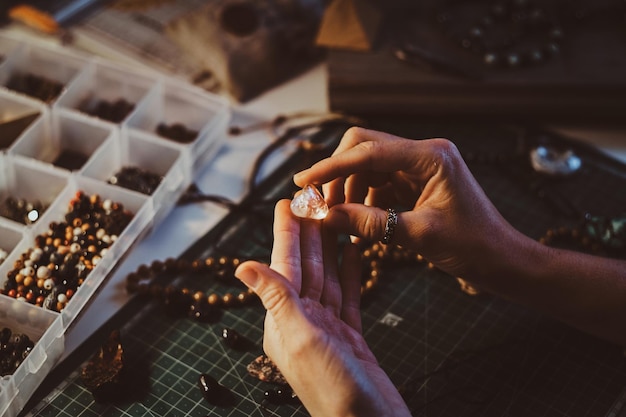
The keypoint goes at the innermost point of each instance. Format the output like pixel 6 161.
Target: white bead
pixel 43 272
pixel 62 298
pixel 35 255
pixel 28 271
pixel 48 284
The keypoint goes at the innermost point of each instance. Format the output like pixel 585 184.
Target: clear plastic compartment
pixel 7 47
pixel 17 114
pixel 111 93
pixel 178 113
pixel 10 236
pixel 24 181
pixel 140 155
pixel 45 329
pixel 67 141
pixel 40 73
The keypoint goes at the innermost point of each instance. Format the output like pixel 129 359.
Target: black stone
pixel 214 392
pixel 235 340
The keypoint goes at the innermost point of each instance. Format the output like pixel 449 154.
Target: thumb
pixel 277 294
pixel 364 221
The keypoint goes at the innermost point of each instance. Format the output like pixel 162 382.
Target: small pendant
pixel 308 203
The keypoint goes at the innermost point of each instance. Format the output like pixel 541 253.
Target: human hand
pixel 313 324
pixel 451 221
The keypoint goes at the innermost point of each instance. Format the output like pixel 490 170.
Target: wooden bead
pixel 228 299
pixel 214 300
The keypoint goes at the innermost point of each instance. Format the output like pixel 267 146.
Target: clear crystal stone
pixel 308 203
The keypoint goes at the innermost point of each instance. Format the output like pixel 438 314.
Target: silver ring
pixel 390 225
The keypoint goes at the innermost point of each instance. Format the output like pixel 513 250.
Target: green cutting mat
pixel 453 354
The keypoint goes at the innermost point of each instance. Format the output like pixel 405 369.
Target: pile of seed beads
pixel 49 273
pixel 14 348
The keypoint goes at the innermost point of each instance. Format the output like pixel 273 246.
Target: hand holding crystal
pixel 312 327
pixel 447 218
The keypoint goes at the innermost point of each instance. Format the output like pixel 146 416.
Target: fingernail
pixel 248 276
pixel 297 176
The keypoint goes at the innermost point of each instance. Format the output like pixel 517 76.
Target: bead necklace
pixel 511 34
pixel 598 235
pixel 602 236
pixel 203 306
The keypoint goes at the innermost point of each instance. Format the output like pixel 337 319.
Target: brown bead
pixel 209 262
pixel 144 271
pixel 228 299
pixel 157 267
pixel 170 264
pixel 243 297
pixel 198 295
pixel 214 300
pixel 133 277
pixel 28 281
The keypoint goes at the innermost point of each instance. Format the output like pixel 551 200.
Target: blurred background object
pixel 249 45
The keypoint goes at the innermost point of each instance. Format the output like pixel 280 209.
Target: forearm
pixel 585 291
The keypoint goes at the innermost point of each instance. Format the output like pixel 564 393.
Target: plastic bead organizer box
pixel 115 118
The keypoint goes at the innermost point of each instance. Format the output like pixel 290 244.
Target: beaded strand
pixel 202 305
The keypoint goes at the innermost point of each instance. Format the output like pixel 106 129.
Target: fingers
pixel 277 294
pixel 313 260
pixel 363 150
pixel 350 282
pixel 286 256
pixel 366 222
pixel 378 157
pixel 331 293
